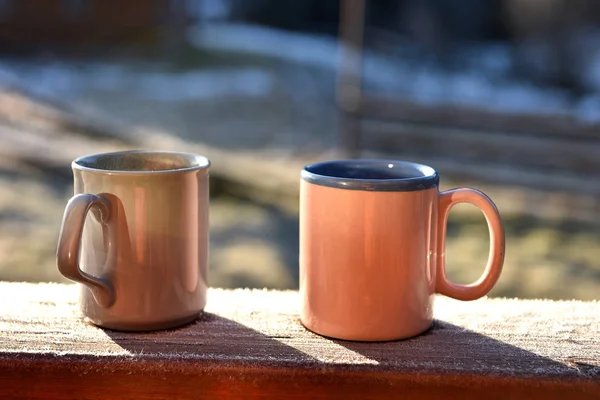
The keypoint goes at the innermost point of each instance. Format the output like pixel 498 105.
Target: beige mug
pixel 372 239
pixel 141 257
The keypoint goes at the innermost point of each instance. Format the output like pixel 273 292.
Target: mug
pixel 372 238
pixel 141 257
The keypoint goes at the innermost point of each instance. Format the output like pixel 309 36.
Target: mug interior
pixel 142 161
pixel 370 169
pixel 371 175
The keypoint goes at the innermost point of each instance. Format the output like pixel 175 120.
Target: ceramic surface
pixel 372 236
pixel 142 254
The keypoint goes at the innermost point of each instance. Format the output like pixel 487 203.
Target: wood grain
pixel 249 343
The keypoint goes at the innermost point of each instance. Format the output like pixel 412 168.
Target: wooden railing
pixel 250 344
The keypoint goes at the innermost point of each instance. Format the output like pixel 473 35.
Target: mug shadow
pixel 448 348
pixel 211 337
pixel 227 357
pixel 443 348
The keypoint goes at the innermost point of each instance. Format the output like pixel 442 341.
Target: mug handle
pixel 69 245
pixel 495 261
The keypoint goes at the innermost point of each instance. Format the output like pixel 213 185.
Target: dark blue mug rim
pixel 387 175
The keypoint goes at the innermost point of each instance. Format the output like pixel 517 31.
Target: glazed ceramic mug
pixel 372 238
pixel 141 255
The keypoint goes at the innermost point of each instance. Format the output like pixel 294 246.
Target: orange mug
pixel 372 240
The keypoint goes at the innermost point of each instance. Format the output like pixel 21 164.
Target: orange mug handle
pixel 495 261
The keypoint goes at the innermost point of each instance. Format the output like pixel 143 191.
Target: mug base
pixel 145 327
pixel 371 339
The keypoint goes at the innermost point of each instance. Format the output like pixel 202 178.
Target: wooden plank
pixel 489 173
pixel 397 109
pixel 273 180
pixel 41 149
pixel 43 133
pixel 548 153
pixel 249 343
pixel 50 136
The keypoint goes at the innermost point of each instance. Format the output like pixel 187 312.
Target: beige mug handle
pixel 69 245
pixel 497 246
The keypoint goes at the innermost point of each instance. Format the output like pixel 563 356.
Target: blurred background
pixel 502 95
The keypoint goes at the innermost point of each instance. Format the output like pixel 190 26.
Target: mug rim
pixel 425 177
pixel 202 163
